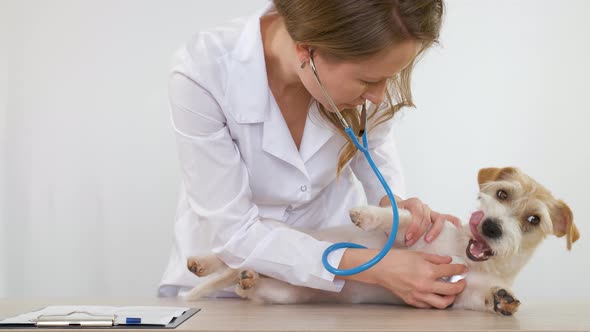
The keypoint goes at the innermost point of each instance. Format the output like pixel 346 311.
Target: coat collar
pixel 277 139
pixel 247 96
pixel 250 101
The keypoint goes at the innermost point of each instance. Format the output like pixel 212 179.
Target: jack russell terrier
pixel 515 214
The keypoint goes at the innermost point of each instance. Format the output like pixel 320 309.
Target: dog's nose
pixel 491 228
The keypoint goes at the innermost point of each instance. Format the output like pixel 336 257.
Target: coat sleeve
pixel 218 189
pixel 385 155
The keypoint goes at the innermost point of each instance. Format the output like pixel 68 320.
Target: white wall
pixel 90 165
pixel 3 90
pixel 89 160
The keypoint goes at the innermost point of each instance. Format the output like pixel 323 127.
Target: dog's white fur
pixel 488 282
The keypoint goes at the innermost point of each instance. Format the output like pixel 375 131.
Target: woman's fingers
pixel 435 300
pixel 424 223
pixel 441 269
pixel 437 226
pixel 416 210
pixel 448 270
pixel 418 304
pixel 437 259
pixel 456 221
pixel 420 220
pixel 448 288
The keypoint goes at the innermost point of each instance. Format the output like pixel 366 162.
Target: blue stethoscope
pixel 364 148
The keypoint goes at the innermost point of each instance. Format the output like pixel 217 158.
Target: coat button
pixel 304 188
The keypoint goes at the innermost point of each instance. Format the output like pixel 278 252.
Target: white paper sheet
pixel 148 315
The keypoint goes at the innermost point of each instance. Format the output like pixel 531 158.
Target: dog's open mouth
pixel 477 249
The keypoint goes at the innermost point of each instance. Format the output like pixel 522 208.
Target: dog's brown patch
pixel 493 174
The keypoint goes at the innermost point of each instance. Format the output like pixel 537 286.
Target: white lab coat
pixel 243 179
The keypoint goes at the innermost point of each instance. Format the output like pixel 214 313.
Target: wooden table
pixel 240 315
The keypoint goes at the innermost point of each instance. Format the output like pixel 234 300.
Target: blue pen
pixel 132 320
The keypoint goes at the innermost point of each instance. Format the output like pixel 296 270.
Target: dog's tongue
pixel 476 218
pixel 477 248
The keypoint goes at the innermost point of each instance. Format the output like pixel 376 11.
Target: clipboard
pixel 86 320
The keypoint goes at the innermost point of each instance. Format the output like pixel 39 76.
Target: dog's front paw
pixel 365 217
pixel 504 302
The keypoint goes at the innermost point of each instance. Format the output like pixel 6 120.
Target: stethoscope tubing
pixel 389 244
pixel 364 148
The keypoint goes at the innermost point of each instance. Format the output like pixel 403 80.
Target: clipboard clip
pixel 75 318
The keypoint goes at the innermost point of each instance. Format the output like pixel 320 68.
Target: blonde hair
pixel 358 29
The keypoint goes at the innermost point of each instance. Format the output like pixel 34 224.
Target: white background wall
pixel 88 169
pixel 3 90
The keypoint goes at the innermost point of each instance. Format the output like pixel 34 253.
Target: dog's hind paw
pixel 248 279
pixel 193 265
pixel 245 287
pixel 203 265
pixel 504 302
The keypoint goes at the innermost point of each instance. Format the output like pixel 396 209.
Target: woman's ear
pixel 303 52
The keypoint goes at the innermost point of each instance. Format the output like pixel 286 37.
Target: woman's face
pixel 350 83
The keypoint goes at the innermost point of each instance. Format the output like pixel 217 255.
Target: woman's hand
pixel 412 276
pixel 422 218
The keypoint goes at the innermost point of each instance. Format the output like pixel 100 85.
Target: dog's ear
pixel 563 223
pixel 493 174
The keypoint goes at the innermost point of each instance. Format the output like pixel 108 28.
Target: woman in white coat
pixel 258 143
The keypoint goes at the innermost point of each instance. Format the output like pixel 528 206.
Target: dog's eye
pixel 533 220
pixel 502 195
